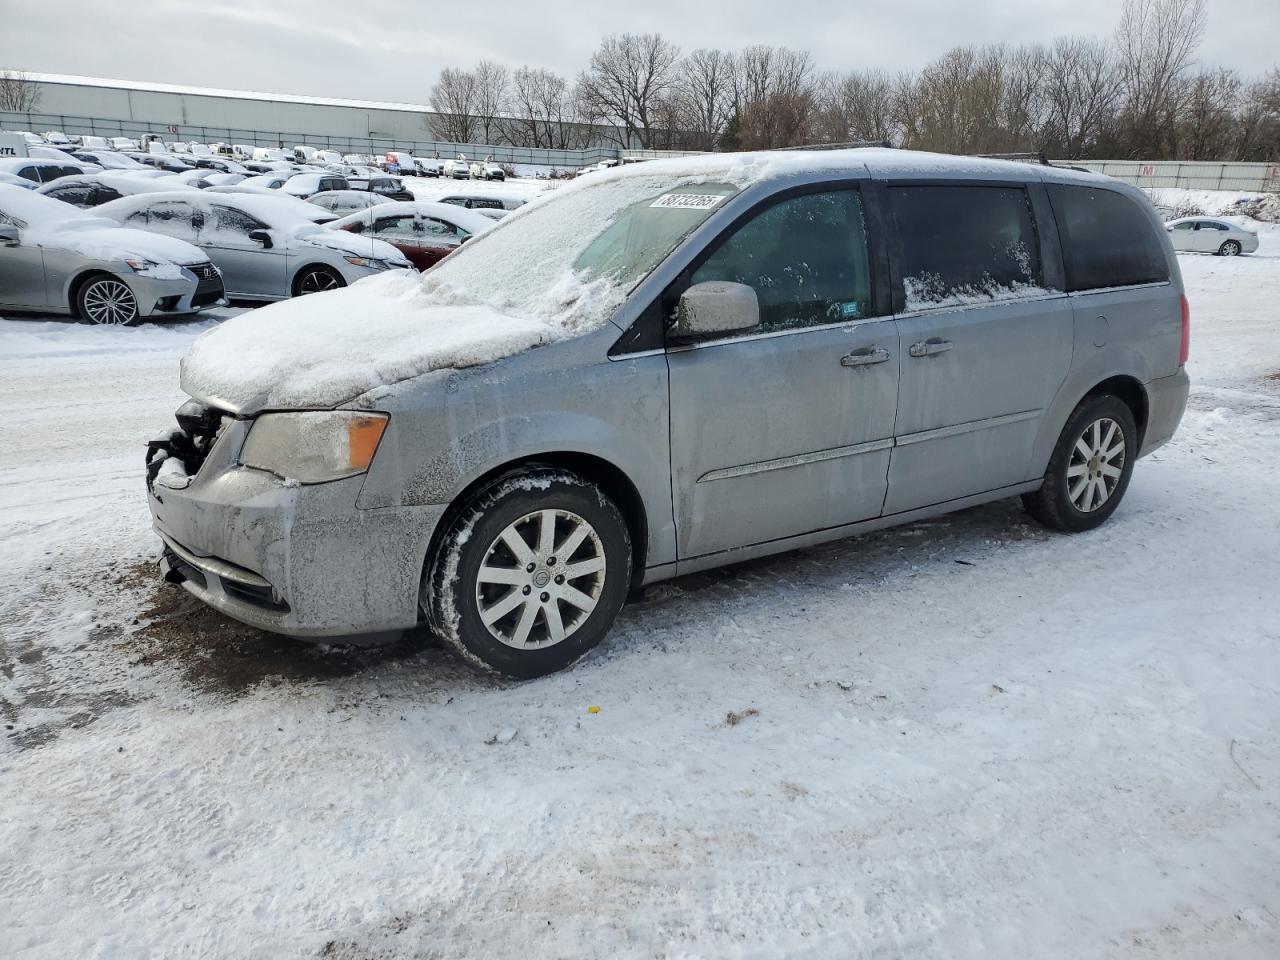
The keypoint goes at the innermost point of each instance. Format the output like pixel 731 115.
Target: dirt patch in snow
pixel 221 655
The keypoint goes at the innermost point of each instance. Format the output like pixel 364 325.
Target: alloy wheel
pixel 110 302
pixel 317 281
pixel 1230 249
pixel 540 579
pixel 1096 466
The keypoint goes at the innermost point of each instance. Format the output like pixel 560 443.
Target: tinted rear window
pixel 1107 239
pixel 965 244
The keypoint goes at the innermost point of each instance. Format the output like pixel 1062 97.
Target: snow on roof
pixel 277 210
pixel 57 225
pixel 143 85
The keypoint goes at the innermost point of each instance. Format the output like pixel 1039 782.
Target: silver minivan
pixel 747 354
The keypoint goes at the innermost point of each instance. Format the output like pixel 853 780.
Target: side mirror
pixel 717 306
pixel 8 235
pixel 262 237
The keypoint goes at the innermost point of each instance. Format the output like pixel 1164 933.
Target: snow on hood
pixel 345 242
pixel 388 328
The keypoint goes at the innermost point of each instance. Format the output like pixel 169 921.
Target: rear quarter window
pixel 1107 239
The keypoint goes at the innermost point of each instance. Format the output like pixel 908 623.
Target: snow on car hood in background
pixel 322 349
pixel 346 242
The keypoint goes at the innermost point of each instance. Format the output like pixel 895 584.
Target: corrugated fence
pixel 1191 174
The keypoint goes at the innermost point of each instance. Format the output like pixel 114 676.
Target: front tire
pixel 1229 248
pixel 1089 471
pixel 108 301
pixel 317 280
pixel 531 573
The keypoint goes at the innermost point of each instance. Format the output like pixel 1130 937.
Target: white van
pixel 265 154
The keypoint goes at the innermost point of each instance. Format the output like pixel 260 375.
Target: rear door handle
pixel 927 348
pixel 864 357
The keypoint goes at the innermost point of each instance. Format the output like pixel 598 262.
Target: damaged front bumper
pixel 297 559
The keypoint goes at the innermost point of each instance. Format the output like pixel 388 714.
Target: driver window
pixel 228 223
pixel 806 257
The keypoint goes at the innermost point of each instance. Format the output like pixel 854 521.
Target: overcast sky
pixel 390 51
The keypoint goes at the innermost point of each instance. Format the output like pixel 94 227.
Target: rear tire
pixel 531 573
pixel 1229 248
pixel 1089 471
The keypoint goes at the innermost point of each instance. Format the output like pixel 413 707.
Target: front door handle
pixel 864 357
pixel 927 348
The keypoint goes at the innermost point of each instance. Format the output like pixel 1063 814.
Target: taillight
pixel 1185 349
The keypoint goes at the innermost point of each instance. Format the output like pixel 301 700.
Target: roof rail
pixel 1030 157
pixel 850 145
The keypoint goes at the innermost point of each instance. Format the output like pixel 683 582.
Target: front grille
pixel 198 428
pixel 207 292
pixel 209 288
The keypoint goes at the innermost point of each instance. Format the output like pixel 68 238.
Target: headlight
pixel 138 265
pixel 367 262
pixel 314 447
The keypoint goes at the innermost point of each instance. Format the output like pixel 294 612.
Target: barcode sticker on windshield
pixel 688 201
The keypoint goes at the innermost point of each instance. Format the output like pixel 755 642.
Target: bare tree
pixel 543 110
pixel 627 78
pixel 1081 87
pixel 492 80
pixel 18 92
pixel 1156 41
pixel 1210 117
pixel 704 91
pixel 454 98
pixel 858 106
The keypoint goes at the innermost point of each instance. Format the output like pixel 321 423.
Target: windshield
pixel 574 257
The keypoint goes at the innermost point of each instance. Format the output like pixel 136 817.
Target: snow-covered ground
pixel 966 738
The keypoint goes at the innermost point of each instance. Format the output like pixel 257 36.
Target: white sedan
pixel 1211 235
pixel 267 247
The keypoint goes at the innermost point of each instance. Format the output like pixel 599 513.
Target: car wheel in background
pixel 1090 467
pixel 530 574
pixel 1229 248
pixel 317 280
pixel 107 300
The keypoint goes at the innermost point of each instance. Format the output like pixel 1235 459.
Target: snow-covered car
pixel 397 162
pixel 208 161
pixel 91 142
pixel 426 166
pixel 267 154
pixel 267 247
pixel 344 202
pixel 124 143
pixel 458 168
pixel 487 170
pixel 61 156
pixel 163 161
pixel 56 258
pixel 304 185
pixel 485 201
pixel 267 181
pixel 424 232
pixel 110 160
pixel 40 170
pixel 99 188
pixel 14 180
pixel 388 188
pixel 56 138
pixel 1211 235
pixel 215 179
